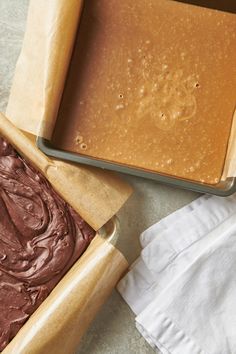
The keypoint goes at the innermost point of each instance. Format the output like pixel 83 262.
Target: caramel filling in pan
pixel 151 85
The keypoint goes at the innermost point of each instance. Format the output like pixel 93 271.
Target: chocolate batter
pixel 41 236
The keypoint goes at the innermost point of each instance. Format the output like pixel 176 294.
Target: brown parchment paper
pixel 42 65
pixel 230 161
pixel 59 323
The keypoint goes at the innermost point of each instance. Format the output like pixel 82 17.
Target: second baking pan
pixel 132 106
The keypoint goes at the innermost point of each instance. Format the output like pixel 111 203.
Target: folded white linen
pixel 179 250
pixel 147 236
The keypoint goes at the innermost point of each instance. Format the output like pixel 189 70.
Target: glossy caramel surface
pixel 152 85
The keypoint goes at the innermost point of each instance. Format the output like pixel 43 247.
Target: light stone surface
pixel 113 331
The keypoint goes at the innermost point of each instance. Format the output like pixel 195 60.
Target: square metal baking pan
pixel 224 188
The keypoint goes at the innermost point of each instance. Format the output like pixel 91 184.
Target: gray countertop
pixel 113 330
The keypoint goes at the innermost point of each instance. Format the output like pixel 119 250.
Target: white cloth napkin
pixel 183 286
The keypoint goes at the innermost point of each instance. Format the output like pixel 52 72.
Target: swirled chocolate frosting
pixel 41 236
